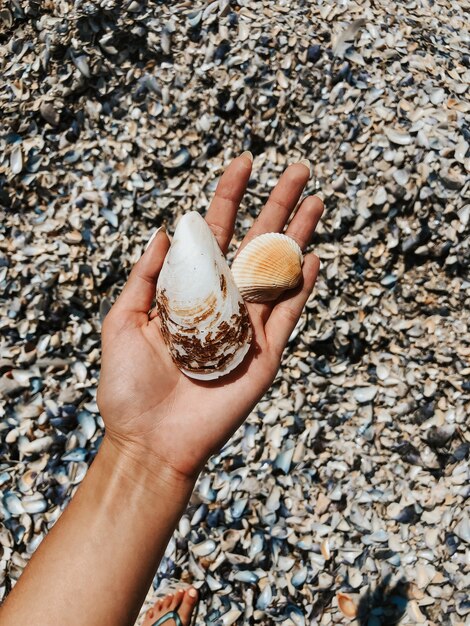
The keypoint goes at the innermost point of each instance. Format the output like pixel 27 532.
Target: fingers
pixel 301 229
pixel 139 291
pixel 305 221
pixel 286 313
pixel 281 202
pixel 224 206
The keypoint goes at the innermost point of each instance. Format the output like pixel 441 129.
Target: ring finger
pixel 281 202
pixel 305 221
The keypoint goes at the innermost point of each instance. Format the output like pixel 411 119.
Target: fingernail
pixel 192 593
pixel 305 162
pixel 320 195
pixel 248 154
pixel 154 234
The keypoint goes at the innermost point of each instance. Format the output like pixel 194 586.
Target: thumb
pixel 139 291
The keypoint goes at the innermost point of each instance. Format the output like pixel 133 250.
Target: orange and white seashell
pixel 269 265
pixel 346 604
pixel 203 318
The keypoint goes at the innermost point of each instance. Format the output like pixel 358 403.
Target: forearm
pixel 97 563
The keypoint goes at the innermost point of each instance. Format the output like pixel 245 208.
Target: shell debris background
pixel 352 474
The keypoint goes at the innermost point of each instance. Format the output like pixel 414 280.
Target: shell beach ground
pixel 345 494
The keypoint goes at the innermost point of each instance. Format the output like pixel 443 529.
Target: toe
pixel 171 602
pixel 151 615
pixel 187 605
pixel 176 601
pixel 180 594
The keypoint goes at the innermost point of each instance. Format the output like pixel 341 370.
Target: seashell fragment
pixel 299 577
pixel 346 605
pixel 180 159
pixel 245 576
pixel 81 63
pixel 398 137
pixel 12 503
pixel 203 318
pixel 35 503
pixel 346 37
pixel 204 548
pixel 268 266
pixel 325 549
pixel 16 160
pixel 27 480
pixel 264 598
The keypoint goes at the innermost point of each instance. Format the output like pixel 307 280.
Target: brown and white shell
pixel 269 265
pixel 203 318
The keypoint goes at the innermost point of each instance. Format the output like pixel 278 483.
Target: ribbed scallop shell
pixel 203 318
pixel 269 265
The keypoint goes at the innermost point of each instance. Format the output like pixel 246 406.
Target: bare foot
pixel 182 602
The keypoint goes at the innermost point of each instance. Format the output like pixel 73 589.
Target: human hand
pixel 152 411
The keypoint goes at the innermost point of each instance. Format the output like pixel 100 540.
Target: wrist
pixel 142 470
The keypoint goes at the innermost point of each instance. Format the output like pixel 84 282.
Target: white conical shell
pixel 203 318
pixel 267 266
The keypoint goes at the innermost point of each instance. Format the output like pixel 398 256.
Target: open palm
pixel 150 408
